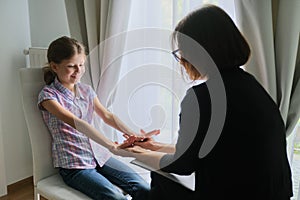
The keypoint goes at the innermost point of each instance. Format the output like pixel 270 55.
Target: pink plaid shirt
pixel 70 148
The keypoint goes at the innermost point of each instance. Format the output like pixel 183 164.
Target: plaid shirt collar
pixel 67 92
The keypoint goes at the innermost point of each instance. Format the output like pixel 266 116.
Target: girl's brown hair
pixel 59 50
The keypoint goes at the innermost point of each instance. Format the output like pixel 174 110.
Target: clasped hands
pixel 138 143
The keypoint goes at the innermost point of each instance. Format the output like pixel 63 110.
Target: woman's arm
pixel 82 126
pixel 149 158
pixel 150 144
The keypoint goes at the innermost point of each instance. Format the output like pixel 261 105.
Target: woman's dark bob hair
pixel 215 31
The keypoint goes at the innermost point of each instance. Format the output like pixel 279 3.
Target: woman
pixel 67 108
pixel 248 159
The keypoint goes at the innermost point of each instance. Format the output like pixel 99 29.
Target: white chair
pixel 47 181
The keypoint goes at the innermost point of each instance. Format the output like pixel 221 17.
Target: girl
pixel 67 108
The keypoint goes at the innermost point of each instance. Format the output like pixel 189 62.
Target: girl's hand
pixel 143 134
pixel 129 142
pixel 144 140
pixel 149 134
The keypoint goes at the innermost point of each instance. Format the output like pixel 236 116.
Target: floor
pixel 22 190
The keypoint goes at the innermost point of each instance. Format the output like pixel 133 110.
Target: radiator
pixel 37 56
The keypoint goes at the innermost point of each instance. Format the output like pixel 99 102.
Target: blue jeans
pixel 98 183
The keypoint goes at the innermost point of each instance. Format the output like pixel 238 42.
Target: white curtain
pixel 272 28
pixel 150 85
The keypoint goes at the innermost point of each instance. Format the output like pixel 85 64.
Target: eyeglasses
pixel 176 55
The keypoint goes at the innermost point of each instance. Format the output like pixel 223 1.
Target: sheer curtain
pixel 272 29
pixel 150 85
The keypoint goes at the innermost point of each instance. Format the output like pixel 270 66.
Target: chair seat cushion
pixel 53 187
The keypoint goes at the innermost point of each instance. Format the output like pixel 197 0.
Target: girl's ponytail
pixel 49 75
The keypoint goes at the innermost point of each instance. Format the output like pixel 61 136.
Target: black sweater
pixel 249 160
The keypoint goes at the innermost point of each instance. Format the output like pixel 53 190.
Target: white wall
pixel 14 37
pixel 23 23
pixel 3 189
pixel 48 21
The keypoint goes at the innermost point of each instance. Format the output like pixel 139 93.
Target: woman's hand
pixel 136 149
pixel 125 150
pixel 150 144
pixel 144 140
pixel 147 143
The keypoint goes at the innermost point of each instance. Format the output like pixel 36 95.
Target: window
pixel 295 161
pixel 150 81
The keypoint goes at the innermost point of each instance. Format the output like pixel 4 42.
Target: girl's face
pixel 69 71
